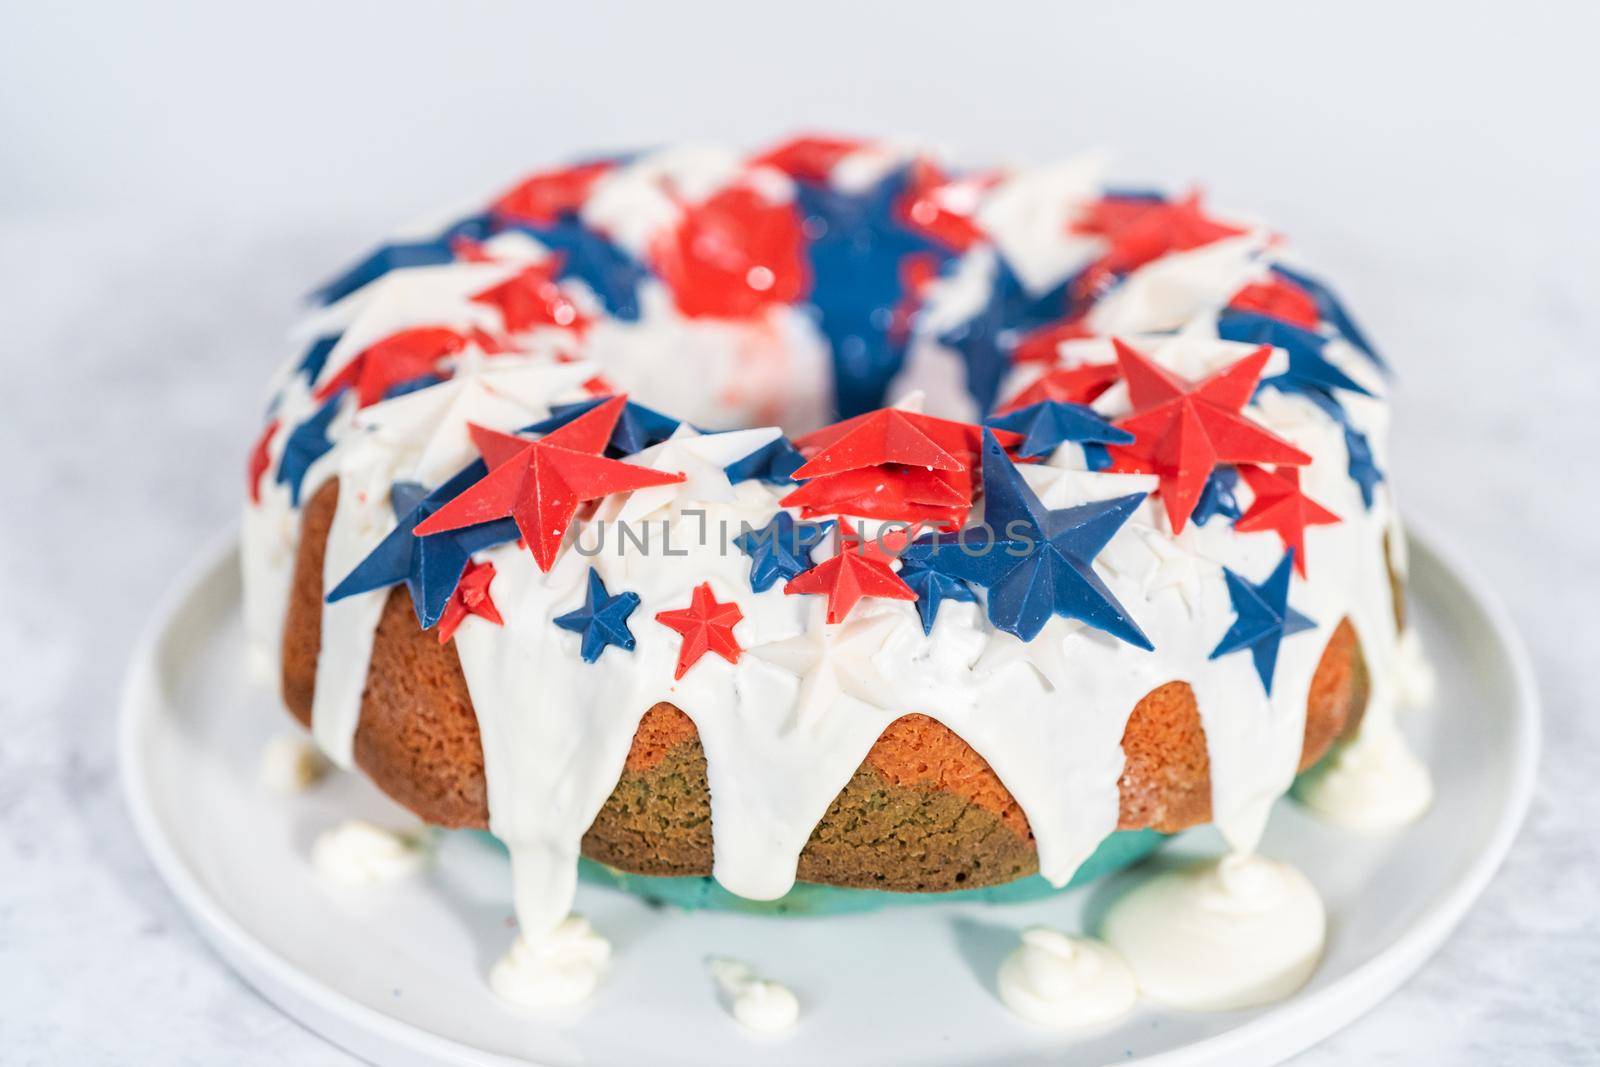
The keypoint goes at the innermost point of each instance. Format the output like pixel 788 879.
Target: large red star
pixel 861 569
pixel 962 440
pixel 545 197
pixel 1183 429
pixel 532 298
pixel 1280 506
pixel 1066 385
pixel 888 435
pixel 470 598
pixel 1140 231
pixel 1280 299
pixel 733 256
pixel 400 357
pixel 541 483
pixel 706 625
pixel 260 460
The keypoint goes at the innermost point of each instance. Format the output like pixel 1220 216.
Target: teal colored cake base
pixel 1120 850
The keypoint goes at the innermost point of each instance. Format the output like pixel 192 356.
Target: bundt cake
pixel 1117 555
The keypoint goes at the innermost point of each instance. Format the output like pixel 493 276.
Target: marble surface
pixel 135 333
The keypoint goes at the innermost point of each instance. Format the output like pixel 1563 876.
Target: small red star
pixel 541 483
pixel 1183 429
pixel 1066 385
pixel 260 460
pixel 1281 507
pixel 706 625
pixel 1280 299
pixel 733 256
pixel 861 569
pixel 532 298
pixel 544 198
pixel 400 357
pixel 929 206
pixel 1139 231
pixel 470 598
pixel 809 158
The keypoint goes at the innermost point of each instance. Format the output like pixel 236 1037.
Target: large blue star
pixel 1035 562
pixel 855 252
pixel 429 252
pixel 1332 312
pixel 932 586
pixel 430 566
pixel 1045 425
pixel 781 549
pixel 603 619
pixel 590 257
pixel 1308 369
pixel 307 444
pixel 1264 618
pixel 773 462
pixel 985 341
pixel 637 428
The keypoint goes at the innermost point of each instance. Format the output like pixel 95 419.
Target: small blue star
pixel 932 586
pixel 637 428
pixel 1217 497
pixel 1035 562
pixel 430 566
pixel 307 444
pixel 1308 369
pixel 589 257
pixel 773 462
pixel 1264 618
pixel 1045 425
pixel 985 341
pixel 1332 312
pixel 1363 470
pixel 603 619
pixel 781 549
pixel 428 253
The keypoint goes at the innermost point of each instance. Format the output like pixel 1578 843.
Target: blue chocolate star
pixel 603 619
pixel 932 586
pixel 985 341
pixel 1045 425
pixel 1217 497
pixel 1363 470
pixel 589 257
pixel 637 428
pixel 781 549
pixel 1035 562
pixel 773 462
pixel 430 566
pixel 1332 312
pixel 1264 618
pixel 307 444
pixel 426 253
pixel 1308 369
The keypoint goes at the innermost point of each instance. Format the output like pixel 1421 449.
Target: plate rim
pixel 352 1025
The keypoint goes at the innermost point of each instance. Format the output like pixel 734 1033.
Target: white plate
pixel 396 974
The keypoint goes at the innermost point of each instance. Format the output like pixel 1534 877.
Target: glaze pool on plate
pixel 396 973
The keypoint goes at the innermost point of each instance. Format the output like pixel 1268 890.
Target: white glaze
pixel 562 967
pixel 358 853
pixel 1219 936
pixel 1067 983
pixel 758 1004
pixel 292 764
pixel 787 726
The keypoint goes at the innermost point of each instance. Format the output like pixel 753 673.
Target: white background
pixel 173 176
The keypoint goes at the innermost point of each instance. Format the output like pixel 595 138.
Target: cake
pixel 1064 525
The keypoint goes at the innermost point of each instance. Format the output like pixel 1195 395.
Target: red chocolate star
pixel 861 569
pixel 541 483
pixel 400 357
pixel 1140 231
pixel 926 206
pixel 470 598
pixel 733 256
pixel 1280 299
pixel 532 298
pixel 706 625
pixel 962 440
pixel 1281 507
pixel 1183 429
pixel 1040 346
pixel 809 158
pixel 544 198
pixel 887 435
pixel 260 460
